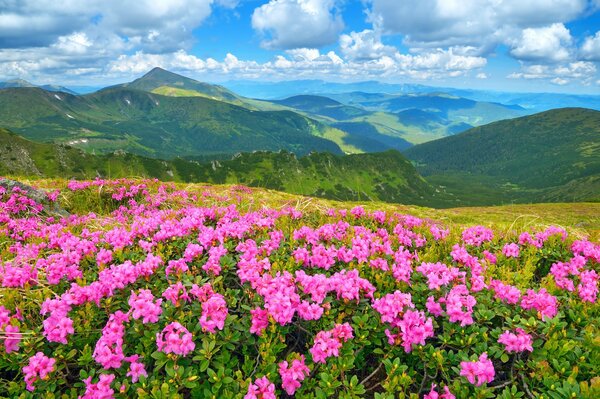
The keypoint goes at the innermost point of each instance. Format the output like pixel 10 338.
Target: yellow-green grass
pixel 580 219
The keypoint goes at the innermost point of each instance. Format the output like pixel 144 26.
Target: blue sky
pixel 516 45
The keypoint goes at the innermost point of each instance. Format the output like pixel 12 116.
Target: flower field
pixel 152 290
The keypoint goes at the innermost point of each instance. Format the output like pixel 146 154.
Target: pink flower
pixel 57 327
pixel 12 338
pixel 542 301
pixel 506 293
pixel 511 250
pixel 328 343
pixel 481 370
pixel 292 376
pixel 519 342
pixel 99 390
pixel 144 307
pixel 477 235
pixel 214 313
pixel 588 288
pixel 175 338
pixel 38 368
pixel 261 389
pixel 415 328
pixel 433 394
pixel 136 369
pixel 459 305
pixel 260 321
pixel 391 306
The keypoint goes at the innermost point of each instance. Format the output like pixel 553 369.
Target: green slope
pixel 553 155
pixel 322 106
pixel 153 125
pixel 384 176
pixel 161 79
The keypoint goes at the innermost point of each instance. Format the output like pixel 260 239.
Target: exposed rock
pixel 37 195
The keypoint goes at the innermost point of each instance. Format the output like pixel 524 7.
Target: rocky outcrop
pixel 39 196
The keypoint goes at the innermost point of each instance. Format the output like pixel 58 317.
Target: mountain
pixel 167 83
pixel 451 108
pixel 387 176
pixel 24 83
pixel 553 155
pixel 21 157
pixel 322 106
pixel 155 125
pixel 284 89
pixel 532 102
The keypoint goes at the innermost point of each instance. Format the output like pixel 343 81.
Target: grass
pixel 581 219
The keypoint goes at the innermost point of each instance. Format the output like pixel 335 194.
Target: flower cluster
pixel 355 290
pixel 478 372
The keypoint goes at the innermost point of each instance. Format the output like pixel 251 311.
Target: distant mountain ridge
pixel 533 157
pixel 154 125
pixel 387 176
pixel 23 83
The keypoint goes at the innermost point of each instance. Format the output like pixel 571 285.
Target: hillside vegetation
pixel 551 155
pixel 154 125
pixel 385 176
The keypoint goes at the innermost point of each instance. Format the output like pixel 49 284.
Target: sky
pixel 508 45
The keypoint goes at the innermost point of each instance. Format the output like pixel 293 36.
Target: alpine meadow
pixel 312 199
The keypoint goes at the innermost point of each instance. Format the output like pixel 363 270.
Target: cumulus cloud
pixel 365 45
pixel 590 50
pixel 289 24
pixel 479 23
pixel 551 43
pixel 583 71
pixel 305 62
pixel 152 25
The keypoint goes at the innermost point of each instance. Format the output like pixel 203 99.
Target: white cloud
pixel 75 43
pixel 305 62
pixel 478 23
pixel 551 44
pixel 151 25
pixel 581 71
pixel 481 75
pixel 590 50
pixel 365 45
pixel 297 23
pixel 560 81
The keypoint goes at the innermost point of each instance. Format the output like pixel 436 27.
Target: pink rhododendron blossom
pixel 176 339
pixel 260 321
pixel 328 343
pixel 136 369
pixel 477 235
pixel 433 394
pixel 459 305
pixel 100 389
pixel 11 338
pixel 542 301
pixel 519 342
pixel 511 250
pixel 38 368
pixel 478 372
pixel 506 293
pixel 214 313
pixel 292 376
pixel 262 388
pixel 144 306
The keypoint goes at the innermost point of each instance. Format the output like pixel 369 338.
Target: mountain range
pixel 171 127
pixel 163 114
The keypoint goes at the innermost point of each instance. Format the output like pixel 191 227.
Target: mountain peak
pixel 16 83
pixel 158 71
pixel 165 81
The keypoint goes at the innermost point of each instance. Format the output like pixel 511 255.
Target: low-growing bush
pixel 160 293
